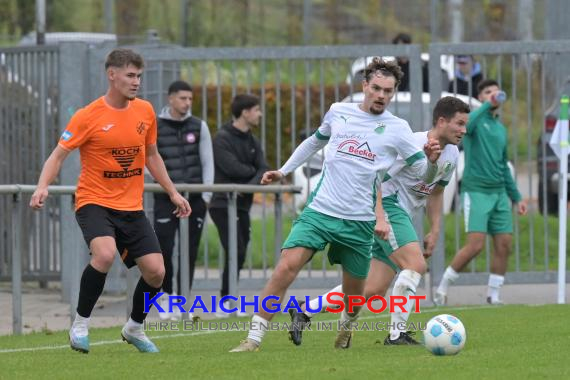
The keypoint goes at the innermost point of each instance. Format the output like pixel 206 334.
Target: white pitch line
pixel 205 332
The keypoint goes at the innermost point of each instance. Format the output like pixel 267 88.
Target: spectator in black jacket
pixel 239 159
pixel 467 69
pixel 404 63
pixel 185 145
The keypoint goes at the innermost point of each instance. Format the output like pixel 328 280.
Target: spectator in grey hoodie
pixel 185 144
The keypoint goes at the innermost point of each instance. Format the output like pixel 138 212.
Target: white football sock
pixel 314 303
pixel 80 325
pixel 346 319
pixel 405 285
pixel 495 283
pixel 132 325
pixel 258 329
pixel 449 277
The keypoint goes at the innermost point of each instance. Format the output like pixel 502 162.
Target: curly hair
pixel 386 68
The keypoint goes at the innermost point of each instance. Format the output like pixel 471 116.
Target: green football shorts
pixel 379 254
pixel 489 213
pixel 402 231
pixel 350 240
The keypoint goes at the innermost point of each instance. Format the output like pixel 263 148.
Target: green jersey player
pixel 488 192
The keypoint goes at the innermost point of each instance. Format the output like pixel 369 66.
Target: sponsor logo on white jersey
pixel 356 149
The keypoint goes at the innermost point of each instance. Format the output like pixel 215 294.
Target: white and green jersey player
pixel 364 141
pixel 403 194
pixel 404 197
pixel 362 147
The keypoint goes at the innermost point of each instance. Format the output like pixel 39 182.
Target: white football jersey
pixel 361 148
pixel 412 192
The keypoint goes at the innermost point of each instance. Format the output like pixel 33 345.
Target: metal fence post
pixel 17 265
pixel 437 262
pixel 416 118
pixel 72 252
pixel 72 81
pixel 278 226
pixel 184 260
pixel 44 256
pixel 232 246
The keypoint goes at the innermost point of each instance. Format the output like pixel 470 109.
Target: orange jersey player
pixel 116 137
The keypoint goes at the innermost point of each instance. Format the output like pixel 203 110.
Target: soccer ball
pixel 444 335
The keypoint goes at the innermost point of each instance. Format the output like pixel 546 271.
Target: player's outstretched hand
pixel 429 243
pixel 382 229
pixel 183 208
pixel 38 198
pixel 432 150
pixel 522 208
pixel 271 176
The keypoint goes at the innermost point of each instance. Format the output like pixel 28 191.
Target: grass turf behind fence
pixel 502 342
pixel 538 263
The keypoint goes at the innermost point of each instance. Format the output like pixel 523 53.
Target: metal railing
pixel 521 70
pixel 69 76
pixel 72 258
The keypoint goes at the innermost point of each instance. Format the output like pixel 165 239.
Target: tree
pixel 132 18
pixel 25 16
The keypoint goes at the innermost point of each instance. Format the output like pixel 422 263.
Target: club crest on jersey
pixel 140 128
pixel 447 167
pixel 380 128
pixel 354 148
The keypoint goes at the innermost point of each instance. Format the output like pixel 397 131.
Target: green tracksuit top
pixel 485 144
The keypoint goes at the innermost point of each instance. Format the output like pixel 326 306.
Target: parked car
pixel 57 37
pixel 551 176
pixel 308 175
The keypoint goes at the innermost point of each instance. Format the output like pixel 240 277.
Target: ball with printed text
pixel 445 335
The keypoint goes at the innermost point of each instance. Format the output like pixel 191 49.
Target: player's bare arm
pixel 51 169
pixel 381 228
pixel 156 167
pixel 434 207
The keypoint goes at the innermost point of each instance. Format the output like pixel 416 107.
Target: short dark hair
pixel 386 68
pixel 243 102
pixel 123 57
pixel 486 83
pixel 179 85
pixel 447 107
pixel 402 38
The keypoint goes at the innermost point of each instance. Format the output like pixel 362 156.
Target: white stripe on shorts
pixel 466 209
pixel 391 237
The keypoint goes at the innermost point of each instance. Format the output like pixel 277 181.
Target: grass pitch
pixel 512 342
